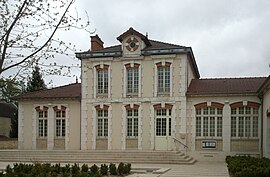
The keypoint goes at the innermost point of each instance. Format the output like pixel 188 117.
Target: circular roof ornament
pixel 132 44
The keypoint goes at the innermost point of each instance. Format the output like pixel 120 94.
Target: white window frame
pixel 209 122
pixel 246 119
pixel 125 85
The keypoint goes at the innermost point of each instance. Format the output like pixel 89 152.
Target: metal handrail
pixel 177 140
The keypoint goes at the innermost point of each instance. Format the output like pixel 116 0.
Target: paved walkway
pixel 199 169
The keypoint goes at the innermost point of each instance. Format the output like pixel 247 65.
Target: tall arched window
pixel 132 120
pixel 42 116
pixel 102 79
pixel 102 121
pixel 163 78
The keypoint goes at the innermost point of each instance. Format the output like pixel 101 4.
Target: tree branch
pixel 8 33
pixel 49 39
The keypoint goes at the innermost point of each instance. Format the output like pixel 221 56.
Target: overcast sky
pixel 229 38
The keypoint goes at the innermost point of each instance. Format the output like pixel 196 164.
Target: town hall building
pixel 147 95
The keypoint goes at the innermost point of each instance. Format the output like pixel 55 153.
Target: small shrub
pixel 97 174
pixel 104 169
pixel 94 168
pixel 85 168
pixel 120 168
pixel 75 169
pixel 127 168
pixel 113 170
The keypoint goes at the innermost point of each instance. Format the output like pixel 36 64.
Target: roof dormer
pixel 133 43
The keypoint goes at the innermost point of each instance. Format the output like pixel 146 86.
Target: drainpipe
pixel 261 151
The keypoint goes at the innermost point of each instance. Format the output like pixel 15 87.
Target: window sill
pixel 102 137
pixel 132 138
pixel 244 138
pixel 102 95
pixel 209 138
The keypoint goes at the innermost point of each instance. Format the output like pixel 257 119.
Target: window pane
pixel 241 127
pixel 198 111
pixel 205 126
pixel 163 127
pixel 158 127
pixel 135 127
pixel 247 127
pixel 233 127
pixel 212 126
pixel 198 126
pixel 160 80
pixel 219 126
pixel 255 126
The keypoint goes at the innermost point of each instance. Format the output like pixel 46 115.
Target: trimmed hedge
pixel 246 166
pixel 44 170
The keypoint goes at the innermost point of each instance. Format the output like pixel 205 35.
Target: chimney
pixel 96 43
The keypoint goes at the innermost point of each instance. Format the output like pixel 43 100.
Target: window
pixel 163 122
pixel 102 81
pixel 163 78
pixel 102 123
pixel 132 123
pixel 209 122
pixel 132 80
pixel 60 123
pixel 42 123
pixel 244 122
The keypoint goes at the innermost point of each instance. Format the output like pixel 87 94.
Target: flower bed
pixel 42 170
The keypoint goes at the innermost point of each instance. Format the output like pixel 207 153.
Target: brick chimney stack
pixel 96 43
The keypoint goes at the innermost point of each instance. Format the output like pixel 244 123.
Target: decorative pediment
pixel 133 42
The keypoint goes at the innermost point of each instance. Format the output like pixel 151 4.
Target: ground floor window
pixel 102 123
pixel 60 123
pixel 208 122
pixel 132 123
pixel 42 122
pixel 244 122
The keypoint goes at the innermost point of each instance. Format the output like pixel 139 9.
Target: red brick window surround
pixel 209 119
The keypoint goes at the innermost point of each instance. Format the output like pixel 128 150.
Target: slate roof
pixel 8 110
pixel 71 91
pixel 155 45
pixel 249 85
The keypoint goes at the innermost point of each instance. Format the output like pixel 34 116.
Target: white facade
pixel 135 97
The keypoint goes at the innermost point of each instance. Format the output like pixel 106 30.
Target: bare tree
pixel 28 31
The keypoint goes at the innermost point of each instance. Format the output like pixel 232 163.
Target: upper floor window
pixel 244 121
pixel 163 78
pixel 132 79
pixel 209 120
pixel 102 79
pixel 42 121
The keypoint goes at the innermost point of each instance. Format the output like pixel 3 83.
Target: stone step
pixel 158 157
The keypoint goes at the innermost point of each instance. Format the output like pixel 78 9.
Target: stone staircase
pixel 106 156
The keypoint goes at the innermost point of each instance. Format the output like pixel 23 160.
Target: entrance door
pixel 163 124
